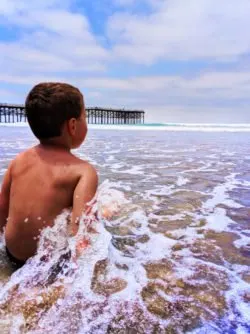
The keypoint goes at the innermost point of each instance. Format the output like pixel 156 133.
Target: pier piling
pixel 14 113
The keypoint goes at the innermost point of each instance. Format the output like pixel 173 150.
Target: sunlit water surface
pixel 174 259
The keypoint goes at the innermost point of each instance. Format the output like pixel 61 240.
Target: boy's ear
pixel 71 125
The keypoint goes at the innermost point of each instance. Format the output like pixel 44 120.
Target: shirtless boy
pixel 47 178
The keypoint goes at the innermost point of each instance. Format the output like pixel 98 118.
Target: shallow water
pixel 175 258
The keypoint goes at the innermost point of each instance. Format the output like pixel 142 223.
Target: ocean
pixel 174 258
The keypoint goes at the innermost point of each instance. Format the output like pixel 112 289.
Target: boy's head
pixel 55 109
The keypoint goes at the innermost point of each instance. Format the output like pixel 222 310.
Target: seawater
pixel 174 258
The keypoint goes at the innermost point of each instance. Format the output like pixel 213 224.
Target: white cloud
pixel 129 3
pixel 182 30
pixel 209 96
pixel 206 81
pixel 19 7
pixel 230 85
pixel 53 39
pixel 27 80
pixel 55 43
pixel 9 95
pixel 124 2
pixel 196 114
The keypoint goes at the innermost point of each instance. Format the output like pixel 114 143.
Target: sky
pixel 179 60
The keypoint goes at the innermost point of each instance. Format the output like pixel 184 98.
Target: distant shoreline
pixel 198 127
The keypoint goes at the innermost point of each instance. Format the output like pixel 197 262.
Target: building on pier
pixel 12 113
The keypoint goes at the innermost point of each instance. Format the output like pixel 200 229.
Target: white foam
pixel 193 127
pixel 220 194
pixel 117 165
pixel 181 181
pixel 242 330
pixel 178 127
pixel 243 241
pixel 218 221
pixel 135 170
pixel 128 261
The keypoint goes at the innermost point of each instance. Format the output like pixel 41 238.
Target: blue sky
pixel 179 60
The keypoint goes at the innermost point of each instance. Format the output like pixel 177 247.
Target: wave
pixel 199 127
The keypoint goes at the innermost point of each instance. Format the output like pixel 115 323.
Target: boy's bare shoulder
pixel 86 168
pixel 78 167
pixel 22 157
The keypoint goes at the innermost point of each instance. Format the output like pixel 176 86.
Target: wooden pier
pixel 13 113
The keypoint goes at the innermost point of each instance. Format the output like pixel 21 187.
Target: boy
pixel 47 178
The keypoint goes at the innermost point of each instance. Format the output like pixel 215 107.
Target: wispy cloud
pixel 135 58
pixel 52 39
pixel 177 29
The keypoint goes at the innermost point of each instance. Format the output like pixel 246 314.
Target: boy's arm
pixel 4 199
pixel 83 194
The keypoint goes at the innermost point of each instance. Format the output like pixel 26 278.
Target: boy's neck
pixel 55 143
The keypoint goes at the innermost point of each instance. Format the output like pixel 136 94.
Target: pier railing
pixel 14 113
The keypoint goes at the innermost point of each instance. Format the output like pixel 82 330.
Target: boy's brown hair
pixel 49 104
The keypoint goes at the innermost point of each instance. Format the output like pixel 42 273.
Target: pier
pixel 14 113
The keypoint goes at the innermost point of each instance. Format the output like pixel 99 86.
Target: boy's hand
pixel 81 245
pixel 108 213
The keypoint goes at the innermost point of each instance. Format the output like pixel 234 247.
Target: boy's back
pixel 44 180
pixel 42 185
